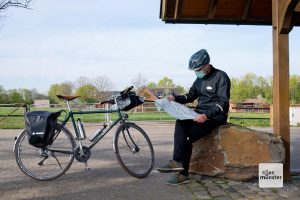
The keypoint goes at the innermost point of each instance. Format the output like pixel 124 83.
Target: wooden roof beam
pixel 163 6
pixel 212 9
pixel 247 9
pixel 286 11
pixel 297 9
pixel 178 9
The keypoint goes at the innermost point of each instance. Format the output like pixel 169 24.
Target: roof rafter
pixel 247 9
pixel 212 9
pixel 178 8
pixel 297 9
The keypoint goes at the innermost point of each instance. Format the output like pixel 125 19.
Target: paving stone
pixel 220 181
pixel 255 197
pixel 254 188
pixel 217 193
pixel 222 198
pixel 284 194
pixel 211 185
pixel 240 187
pixel 264 193
pixel 235 195
pixel 230 190
pixel 225 186
pixel 201 193
pixel 197 177
pixel 196 187
pixel 277 198
pixel 205 198
pixel 246 192
pixel 234 183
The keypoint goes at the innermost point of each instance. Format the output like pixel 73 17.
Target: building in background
pixel 42 103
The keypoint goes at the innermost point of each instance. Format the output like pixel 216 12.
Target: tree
pixel 37 95
pixel 4 5
pixel 14 96
pixel 26 96
pixel 53 91
pixel 251 86
pixel 151 85
pixel 180 89
pixel 294 89
pixel 103 86
pixel 81 81
pixel 87 93
pixel 264 88
pixel 165 82
pixel 3 95
pixel 65 88
pixel 234 91
pixel 139 82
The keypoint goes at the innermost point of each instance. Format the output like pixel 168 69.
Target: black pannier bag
pixel 130 101
pixel 41 127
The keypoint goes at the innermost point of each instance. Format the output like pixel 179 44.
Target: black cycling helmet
pixel 199 59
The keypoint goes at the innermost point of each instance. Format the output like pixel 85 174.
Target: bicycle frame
pixel 101 132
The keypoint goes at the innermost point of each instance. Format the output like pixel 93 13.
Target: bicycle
pixel 132 146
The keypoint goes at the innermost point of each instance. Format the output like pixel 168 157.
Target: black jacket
pixel 213 93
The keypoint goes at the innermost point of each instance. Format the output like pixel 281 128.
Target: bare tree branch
pixel 139 82
pixel 15 3
pixel 104 87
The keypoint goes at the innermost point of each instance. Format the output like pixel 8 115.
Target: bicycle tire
pixel 33 162
pixel 134 150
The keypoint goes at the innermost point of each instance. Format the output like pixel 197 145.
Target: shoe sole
pixel 169 170
pixel 183 182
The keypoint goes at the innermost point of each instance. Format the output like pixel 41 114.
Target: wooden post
pixel 281 86
pixel 271 116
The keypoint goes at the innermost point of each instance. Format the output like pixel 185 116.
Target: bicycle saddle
pixel 66 98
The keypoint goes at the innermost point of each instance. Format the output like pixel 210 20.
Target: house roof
pixel 155 93
pixel 240 12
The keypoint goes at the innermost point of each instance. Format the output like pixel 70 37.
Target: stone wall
pixel 235 152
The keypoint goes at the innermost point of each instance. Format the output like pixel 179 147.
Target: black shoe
pixel 178 179
pixel 171 166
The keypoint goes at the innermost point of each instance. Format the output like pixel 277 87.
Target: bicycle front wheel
pixel 134 150
pixel 45 163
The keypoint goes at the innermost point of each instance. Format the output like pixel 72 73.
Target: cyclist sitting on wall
pixel 212 89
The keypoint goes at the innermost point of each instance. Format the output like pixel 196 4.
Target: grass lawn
pixel 243 119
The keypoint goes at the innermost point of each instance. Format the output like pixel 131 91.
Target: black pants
pixel 187 132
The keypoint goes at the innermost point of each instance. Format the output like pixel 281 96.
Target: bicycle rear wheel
pixel 134 150
pixel 45 163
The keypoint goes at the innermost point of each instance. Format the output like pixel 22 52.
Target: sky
pixel 61 40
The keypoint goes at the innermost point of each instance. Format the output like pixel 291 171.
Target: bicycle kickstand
pixel 86 168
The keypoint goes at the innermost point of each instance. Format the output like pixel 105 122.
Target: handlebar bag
pixel 130 101
pixel 40 126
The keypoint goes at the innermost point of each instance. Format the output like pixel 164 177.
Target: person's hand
pixel 201 118
pixel 171 98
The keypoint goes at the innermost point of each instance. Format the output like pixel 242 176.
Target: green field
pixel 243 119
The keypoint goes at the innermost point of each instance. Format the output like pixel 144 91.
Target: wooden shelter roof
pixel 240 12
